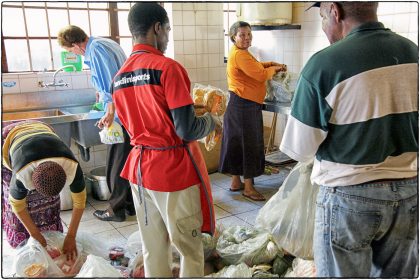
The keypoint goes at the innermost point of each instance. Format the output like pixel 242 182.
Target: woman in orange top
pixel 243 138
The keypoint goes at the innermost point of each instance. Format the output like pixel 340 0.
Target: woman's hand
pixel 69 247
pixel 40 238
pixel 279 67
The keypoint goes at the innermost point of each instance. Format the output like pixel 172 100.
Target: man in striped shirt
pixel 356 111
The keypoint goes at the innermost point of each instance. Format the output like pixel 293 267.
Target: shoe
pixel 105 215
pixel 130 211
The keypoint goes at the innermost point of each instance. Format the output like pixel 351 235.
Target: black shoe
pixel 130 211
pixel 105 215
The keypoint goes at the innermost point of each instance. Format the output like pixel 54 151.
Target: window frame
pixel 112 10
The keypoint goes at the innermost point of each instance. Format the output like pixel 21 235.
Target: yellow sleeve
pixel 253 68
pixel 267 64
pixel 17 204
pixel 79 199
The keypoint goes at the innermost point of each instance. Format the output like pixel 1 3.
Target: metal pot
pixel 97 177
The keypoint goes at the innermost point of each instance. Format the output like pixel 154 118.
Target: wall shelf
pixel 275 27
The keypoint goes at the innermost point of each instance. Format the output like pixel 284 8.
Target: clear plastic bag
pixel 95 267
pixel 34 261
pixel 239 244
pixel 290 214
pixel 233 271
pixel 282 87
pixel 209 99
pixel 112 134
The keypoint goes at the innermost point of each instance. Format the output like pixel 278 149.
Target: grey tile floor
pixel 231 208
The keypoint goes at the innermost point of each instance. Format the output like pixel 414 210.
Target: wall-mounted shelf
pixel 275 27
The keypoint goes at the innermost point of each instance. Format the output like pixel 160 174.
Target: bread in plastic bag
pixel 290 214
pixel 112 134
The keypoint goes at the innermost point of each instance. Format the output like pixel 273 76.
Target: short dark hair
pixel 70 35
pixel 144 15
pixel 359 10
pixel 234 28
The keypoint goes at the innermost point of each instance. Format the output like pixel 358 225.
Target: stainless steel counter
pixel 277 107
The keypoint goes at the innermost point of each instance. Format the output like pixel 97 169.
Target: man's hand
pixel 97 97
pixel 106 120
pixel 69 247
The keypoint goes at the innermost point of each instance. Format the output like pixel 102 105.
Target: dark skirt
pixel 242 151
pixel 44 211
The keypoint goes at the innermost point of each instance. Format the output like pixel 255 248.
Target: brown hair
pixel 234 28
pixel 70 35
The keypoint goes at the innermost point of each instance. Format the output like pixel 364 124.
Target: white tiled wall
pixel 28 82
pixel 198 41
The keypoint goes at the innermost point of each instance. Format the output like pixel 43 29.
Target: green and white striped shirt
pixel 356 109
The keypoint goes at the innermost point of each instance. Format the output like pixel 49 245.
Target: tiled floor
pixel 231 208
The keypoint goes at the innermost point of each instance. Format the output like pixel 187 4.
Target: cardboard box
pixel 212 157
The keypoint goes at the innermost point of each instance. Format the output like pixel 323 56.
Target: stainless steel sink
pixel 76 110
pixel 77 122
pixel 25 115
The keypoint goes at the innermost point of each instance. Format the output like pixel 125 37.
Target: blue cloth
pixel 367 230
pixel 104 58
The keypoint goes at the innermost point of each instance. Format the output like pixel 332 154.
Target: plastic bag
pixel 95 267
pixel 233 271
pixel 209 99
pixel 134 244
pixel 136 266
pixel 34 261
pixel 112 134
pixel 304 268
pixel 282 87
pixel 239 244
pixel 92 244
pixel 290 214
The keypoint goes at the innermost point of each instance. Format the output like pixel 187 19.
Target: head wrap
pixel 49 178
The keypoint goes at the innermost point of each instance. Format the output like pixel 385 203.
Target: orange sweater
pixel 247 76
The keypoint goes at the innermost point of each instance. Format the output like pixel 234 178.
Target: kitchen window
pixel 29 30
pixel 229 17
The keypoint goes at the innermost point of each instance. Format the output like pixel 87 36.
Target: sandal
pixel 237 189
pixel 255 196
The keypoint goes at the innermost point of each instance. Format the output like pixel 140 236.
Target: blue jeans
pixel 367 230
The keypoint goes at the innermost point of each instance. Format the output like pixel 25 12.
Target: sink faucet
pixel 60 83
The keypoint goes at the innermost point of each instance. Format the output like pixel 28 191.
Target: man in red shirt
pixel 169 180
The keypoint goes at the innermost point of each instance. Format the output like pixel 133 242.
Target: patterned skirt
pixel 44 211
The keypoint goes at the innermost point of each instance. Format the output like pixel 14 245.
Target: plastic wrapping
pixel 290 214
pixel 112 134
pixel 134 244
pixel 34 261
pixel 282 87
pixel 95 267
pixel 233 271
pixel 208 99
pixel 239 244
